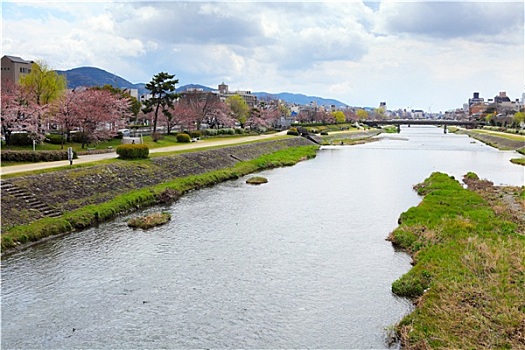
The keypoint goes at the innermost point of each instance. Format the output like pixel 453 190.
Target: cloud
pixel 449 20
pixel 399 52
pixel 186 23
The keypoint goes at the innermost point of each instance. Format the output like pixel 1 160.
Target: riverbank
pixel 498 140
pixel 468 278
pixel 87 196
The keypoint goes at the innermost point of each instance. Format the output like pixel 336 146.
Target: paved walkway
pixel 13 169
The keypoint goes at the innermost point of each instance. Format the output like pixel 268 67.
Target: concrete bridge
pixel 443 122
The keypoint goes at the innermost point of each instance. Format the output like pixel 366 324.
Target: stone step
pixel 33 202
pixel 18 192
pixel 6 185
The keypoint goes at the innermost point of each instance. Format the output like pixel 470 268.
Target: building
pixel 250 99
pixel 418 114
pixel 132 92
pixel 503 104
pixel 501 97
pixel 191 95
pixel 475 99
pixel 13 68
pixel 476 105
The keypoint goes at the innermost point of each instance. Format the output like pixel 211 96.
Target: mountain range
pixel 91 76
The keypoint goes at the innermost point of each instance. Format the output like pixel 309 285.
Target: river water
pixel 299 262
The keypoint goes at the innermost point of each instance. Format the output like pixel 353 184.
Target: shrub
pixel 293 131
pixel 324 132
pixel 182 137
pixel 210 132
pixel 55 139
pixel 20 139
pixel 133 151
pixel 195 134
pixel 31 156
pixel 226 131
pixel 471 176
pixel 239 131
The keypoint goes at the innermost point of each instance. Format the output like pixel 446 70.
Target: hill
pixel 301 99
pixel 92 76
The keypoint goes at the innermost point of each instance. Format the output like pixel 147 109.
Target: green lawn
pixel 165 141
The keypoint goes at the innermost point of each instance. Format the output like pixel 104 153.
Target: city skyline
pixel 413 55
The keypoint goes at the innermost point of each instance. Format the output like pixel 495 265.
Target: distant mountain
pixel 195 86
pixel 300 99
pixel 91 76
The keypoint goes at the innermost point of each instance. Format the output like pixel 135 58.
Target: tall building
pixel 13 68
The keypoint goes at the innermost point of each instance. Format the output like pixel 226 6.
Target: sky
pixel 409 54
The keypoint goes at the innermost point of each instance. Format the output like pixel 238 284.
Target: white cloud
pixel 492 21
pixel 405 53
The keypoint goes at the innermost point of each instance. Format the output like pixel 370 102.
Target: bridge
pixel 437 122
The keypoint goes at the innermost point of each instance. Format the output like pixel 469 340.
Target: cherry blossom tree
pixel 207 108
pixel 350 115
pixel 20 112
pixel 266 115
pixel 64 114
pixel 182 115
pixel 98 114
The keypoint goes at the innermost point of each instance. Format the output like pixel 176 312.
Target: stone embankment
pixel 67 190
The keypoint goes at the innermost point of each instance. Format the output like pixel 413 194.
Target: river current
pixel 299 262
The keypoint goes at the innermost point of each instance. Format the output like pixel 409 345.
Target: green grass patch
pixel 468 276
pixel 504 135
pixel 390 129
pixel 519 161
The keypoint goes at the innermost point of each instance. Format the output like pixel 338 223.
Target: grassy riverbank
pixel 499 140
pixel 468 278
pixel 86 216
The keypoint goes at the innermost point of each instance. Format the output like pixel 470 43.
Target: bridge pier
pixel 445 128
pixel 398 128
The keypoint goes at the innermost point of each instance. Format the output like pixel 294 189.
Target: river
pixel 299 262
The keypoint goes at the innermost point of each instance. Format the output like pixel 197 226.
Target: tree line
pixel 40 104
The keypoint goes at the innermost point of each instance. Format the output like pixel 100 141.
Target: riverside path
pixel 14 169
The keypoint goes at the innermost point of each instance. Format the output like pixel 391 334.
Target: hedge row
pixel 224 131
pixel 32 156
pixel 133 151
